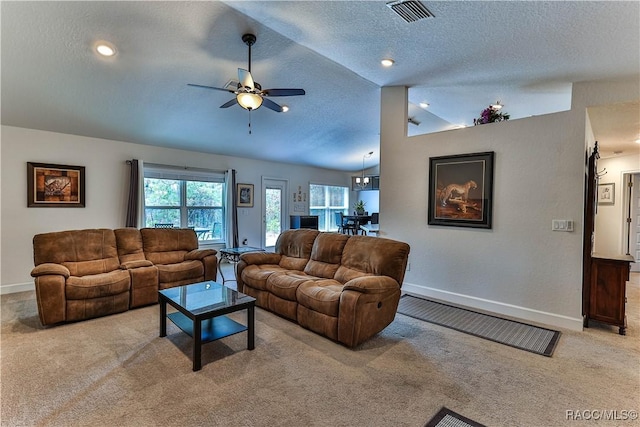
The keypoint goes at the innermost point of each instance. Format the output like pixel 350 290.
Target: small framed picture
pixel 245 196
pixel 60 186
pixel 607 194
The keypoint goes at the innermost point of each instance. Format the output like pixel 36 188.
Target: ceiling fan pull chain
pixel 249 122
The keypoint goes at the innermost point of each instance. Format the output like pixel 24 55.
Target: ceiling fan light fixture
pixel 249 101
pixel 497 105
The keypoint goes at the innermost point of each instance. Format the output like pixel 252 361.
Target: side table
pixel 232 255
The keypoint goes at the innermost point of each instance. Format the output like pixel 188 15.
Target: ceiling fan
pixel 249 94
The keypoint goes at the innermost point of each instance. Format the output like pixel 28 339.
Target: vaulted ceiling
pixel 469 55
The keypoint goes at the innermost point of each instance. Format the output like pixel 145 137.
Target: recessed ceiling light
pixel 387 62
pixel 285 108
pixel 105 49
pixel 424 104
pixel 638 141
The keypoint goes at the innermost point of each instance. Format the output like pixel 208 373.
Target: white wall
pixel 106 189
pixel 610 225
pixel 520 267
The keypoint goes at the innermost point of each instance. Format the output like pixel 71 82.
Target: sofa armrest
pixel 372 284
pixel 260 258
pixel 128 265
pixel 199 254
pixel 49 268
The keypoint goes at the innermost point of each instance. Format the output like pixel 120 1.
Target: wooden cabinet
pixel 607 290
pixel 604 278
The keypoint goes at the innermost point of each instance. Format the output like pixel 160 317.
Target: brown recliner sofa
pixel 82 274
pixel 346 288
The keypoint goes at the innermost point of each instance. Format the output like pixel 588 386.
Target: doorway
pixel 274 210
pixel 632 218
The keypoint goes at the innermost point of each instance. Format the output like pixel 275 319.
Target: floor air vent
pixel 410 10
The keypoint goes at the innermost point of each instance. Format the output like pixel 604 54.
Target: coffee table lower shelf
pixel 212 329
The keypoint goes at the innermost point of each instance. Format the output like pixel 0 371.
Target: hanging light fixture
pixel 363 181
pixel 249 101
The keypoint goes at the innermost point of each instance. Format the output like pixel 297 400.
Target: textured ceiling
pixel 525 54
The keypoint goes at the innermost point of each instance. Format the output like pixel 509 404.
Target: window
pixel 186 199
pixel 325 201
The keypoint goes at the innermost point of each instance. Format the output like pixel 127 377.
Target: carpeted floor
pixel 116 371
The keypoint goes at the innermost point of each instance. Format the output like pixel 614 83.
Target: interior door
pixel 274 213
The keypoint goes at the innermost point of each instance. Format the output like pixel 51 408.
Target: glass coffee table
pixel 201 314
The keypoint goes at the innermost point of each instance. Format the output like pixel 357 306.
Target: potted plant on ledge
pixel 359 207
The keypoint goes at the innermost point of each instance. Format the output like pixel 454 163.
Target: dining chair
pixel 375 218
pixel 338 217
pixel 349 226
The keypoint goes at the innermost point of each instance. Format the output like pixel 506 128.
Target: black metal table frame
pixel 198 319
pixel 232 257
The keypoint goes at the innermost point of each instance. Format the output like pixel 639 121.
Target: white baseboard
pixel 499 308
pixel 17 287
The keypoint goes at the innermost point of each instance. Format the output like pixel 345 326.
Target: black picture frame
pixel 55 186
pixel 461 190
pixel 245 195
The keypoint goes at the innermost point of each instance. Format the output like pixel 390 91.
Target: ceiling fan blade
pixel 271 105
pixel 211 87
pixel 283 92
pixel 245 79
pixel 228 104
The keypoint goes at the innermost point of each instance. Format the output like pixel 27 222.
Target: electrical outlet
pixel 245 242
pixel 408 266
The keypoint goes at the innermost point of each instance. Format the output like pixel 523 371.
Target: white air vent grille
pixel 231 85
pixel 410 10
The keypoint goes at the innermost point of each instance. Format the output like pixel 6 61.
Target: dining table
pixel 358 220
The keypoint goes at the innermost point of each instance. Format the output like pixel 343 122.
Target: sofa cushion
pixel 84 268
pixel 284 285
pixel 326 255
pixel 83 252
pixel 373 256
pixel 296 243
pixel 98 285
pixel 322 296
pixel 255 276
pixel 168 273
pixel 129 243
pixel 168 245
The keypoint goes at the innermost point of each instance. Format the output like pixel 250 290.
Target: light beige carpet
pixel 116 371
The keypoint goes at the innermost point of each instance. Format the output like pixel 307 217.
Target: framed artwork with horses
pixel 461 190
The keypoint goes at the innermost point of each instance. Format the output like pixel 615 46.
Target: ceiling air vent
pixel 231 85
pixel 410 10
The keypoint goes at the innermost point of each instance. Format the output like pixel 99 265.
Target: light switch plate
pixel 562 225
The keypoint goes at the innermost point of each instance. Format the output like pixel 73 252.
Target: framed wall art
pixel 50 185
pixel 245 195
pixel 461 190
pixel 607 194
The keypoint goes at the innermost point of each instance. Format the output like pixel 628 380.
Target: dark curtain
pixel 132 202
pixel 234 209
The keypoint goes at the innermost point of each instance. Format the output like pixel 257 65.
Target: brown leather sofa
pixel 82 274
pixel 346 288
